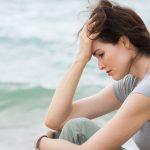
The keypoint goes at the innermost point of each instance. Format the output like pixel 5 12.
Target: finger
pixel 50 134
pixel 91 20
pixel 85 32
pixel 89 31
pixel 93 36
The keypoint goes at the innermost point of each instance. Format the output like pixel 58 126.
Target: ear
pixel 124 41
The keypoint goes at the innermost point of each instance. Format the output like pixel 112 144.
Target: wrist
pixel 39 141
pixel 81 59
pixel 42 143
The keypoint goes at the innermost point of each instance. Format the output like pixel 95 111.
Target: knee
pixel 76 122
pixel 78 130
pixel 73 130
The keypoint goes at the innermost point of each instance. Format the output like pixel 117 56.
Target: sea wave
pixel 22 94
pixel 17 94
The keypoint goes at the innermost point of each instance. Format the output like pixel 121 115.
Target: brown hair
pixel 111 21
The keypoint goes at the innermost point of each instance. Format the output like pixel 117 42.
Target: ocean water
pixel 37 46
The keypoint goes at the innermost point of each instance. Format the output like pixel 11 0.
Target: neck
pixel 140 66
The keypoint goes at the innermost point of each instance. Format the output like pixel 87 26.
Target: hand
pixel 85 48
pixel 50 134
pixel 84 51
pixel 38 141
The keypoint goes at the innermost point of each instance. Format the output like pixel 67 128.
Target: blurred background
pixel 38 43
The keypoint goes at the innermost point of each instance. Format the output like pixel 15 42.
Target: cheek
pixel 110 59
pixel 122 60
pixel 123 63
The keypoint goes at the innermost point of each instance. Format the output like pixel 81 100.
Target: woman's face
pixel 115 59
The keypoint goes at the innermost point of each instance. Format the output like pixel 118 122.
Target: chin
pixel 118 77
pixel 115 78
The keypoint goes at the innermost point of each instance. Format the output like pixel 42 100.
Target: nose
pixel 101 66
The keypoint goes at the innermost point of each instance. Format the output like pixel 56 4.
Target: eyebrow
pixel 95 52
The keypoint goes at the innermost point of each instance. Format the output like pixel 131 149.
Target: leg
pixel 78 130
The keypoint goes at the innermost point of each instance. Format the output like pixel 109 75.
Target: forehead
pixel 101 46
pixel 97 45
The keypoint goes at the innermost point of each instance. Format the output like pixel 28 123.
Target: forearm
pixel 61 104
pixel 58 144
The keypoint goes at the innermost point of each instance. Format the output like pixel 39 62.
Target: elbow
pixel 51 124
pixel 47 123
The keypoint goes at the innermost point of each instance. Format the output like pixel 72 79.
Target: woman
pixel 120 41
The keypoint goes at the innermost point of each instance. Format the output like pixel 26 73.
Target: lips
pixel 108 71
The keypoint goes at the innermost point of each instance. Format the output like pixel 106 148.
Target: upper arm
pixel 132 115
pixel 94 106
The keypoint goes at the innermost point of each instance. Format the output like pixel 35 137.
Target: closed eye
pixel 101 55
